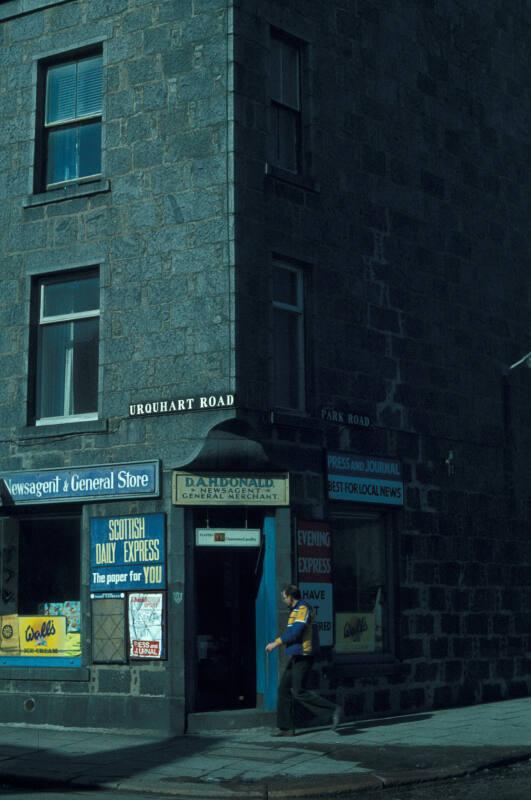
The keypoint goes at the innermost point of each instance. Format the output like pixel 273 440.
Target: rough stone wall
pixel 158 226
pixel 411 219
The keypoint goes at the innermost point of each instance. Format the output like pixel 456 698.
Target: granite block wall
pixel 409 217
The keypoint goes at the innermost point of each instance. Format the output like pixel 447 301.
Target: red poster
pixel 314 552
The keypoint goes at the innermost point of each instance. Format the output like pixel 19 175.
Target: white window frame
pixel 297 310
pixel 67 123
pixel 50 320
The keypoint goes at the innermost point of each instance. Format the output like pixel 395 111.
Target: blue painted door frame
pixel 266 621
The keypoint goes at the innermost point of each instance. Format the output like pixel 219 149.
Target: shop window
pixel 285 108
pixel 288 337
pixel 40 620
pixel 69 139
pixel 67 342
pixel 362 585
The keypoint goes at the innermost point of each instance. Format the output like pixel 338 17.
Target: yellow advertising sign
pixel 9 644
pixel 45 636
pixel 229 489
pixel 355 632
pixel 37 636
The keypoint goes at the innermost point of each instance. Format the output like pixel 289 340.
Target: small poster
pixel 146 625
pixel 355 632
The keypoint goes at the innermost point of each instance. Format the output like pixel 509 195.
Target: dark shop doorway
pixel 226 584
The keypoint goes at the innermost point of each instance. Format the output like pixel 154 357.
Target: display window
pixel 40 614
pixel 361 567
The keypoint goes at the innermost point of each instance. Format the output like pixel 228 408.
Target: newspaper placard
pixel 145 625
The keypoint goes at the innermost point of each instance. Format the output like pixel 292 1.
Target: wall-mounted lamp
pixel 524 360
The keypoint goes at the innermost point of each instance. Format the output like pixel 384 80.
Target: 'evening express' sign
pixel 202 402
pixel 127 552
pixel 138 479
pixel 314 572
pixel 191 489
pixel 365 479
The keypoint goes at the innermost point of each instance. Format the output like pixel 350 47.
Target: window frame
pixel 43 127
pixel 276 105
pixel 389 655
pixel 299 311
pixel 40 321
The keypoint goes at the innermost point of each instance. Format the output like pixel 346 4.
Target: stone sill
pixel 33 432
pixel 44 674
pixel 301 181
pixel 67 192
pixel 17 8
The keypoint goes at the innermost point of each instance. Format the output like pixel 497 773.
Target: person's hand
pixel 271 646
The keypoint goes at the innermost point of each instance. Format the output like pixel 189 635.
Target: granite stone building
pixel 264 317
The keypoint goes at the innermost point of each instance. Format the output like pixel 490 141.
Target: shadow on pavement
pixel 87 762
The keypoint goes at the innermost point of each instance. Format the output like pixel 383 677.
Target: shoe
pixel 337 718
pixel 281 732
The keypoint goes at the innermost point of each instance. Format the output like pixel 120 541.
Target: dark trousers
pixel 293 689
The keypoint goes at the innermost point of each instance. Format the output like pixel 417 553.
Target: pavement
pixel 249 763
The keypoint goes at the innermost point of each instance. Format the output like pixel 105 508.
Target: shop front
pixel 83 582
pixel 233 525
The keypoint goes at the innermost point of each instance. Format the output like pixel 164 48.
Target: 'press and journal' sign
pixel 365 479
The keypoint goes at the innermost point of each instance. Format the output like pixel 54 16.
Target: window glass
pixel 66 383
pixel 89 150
pixel 288 337
pixel 287 138
pixel 287 360
pixel 40 620
pixel 359 564
pixel 61 92
pixel 285 108
pixel 290 75
pixel 84 397
pixel 70 296
pixel 285 73
pixel 285 285
pixel 89 86
pixel 62 146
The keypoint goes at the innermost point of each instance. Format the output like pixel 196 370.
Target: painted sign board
pixel 108 481
pixel 340 416
pixel 365 479
pixel 180 405
pixel 127 552
pixel 229 489
pixel 227 537
pixel 314 571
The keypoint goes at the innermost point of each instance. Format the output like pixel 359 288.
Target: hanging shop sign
pixel 227 537
pixel 180 405
pixel 228 489
pixel 109 481
pixel 365 479
pixel 314 570
pixel 127 553
pixel 145 614
pixel 339 416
